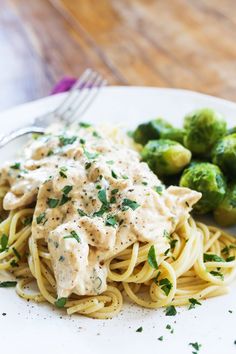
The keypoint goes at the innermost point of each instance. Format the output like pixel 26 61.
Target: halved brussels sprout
pixel 165 157
pixel 175 134
pixel 225 214
pixel 224 155
pixel 208 179
pixel 203 128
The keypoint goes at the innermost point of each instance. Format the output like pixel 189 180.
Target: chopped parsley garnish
pixel 62 172
pixel 217 274
pixel 13 263
pixel 40 218
pixel 172 244
pixel 145 183
pixel 50 152
pixel 166 234
pixel 84 125
pixel 16 166
pixel 16 253
pixel 230 259
pixel 110 162
pixel 160 338
pixel 102 196
pixel 152 261
pixel 168 326
pixel 165 285
pixel 193 303
pixel 27 220
pixel 90 155
pixel 87 165
pixel 61 259
pixel 159 189
pixel 207 257
pixel 196 345
pixel 60 303
pixel 64 199
pixel 101 211
pixel 111 221
pixel 52 203
pixel 4 242
pixel 227 249
pixel 8 284
pixel 170 311
pixel 113 174
pixel 128 203
pixel 66 140
pixel 81 212
pixel 114 191
pixel 125 177
pixel 66 190
pixel 96 134
pixel 82 141
pixel 140 329
pixel 74 235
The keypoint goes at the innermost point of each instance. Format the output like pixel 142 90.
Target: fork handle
pixel 20 132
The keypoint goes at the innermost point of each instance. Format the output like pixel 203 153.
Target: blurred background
pixel 167 43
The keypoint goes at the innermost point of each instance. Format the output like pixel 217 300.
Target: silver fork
pixel 78 100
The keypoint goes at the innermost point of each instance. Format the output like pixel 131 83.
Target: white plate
pixel 31 328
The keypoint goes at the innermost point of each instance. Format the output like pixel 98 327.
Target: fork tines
pixel 80 96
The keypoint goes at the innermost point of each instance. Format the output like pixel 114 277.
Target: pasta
pixel 183 269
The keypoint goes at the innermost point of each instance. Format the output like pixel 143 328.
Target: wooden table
pixel 168 43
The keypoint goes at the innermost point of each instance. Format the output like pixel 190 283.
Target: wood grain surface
pixel 167 43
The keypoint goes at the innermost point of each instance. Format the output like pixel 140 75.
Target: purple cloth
pixel 63 85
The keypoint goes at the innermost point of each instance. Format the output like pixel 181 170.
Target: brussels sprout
pixel 203 128
pixel 150 130
pixel 165 157
pixel 225 214
pixel 175 134
pixel 208 179
pixel 231 131
pixel 224 154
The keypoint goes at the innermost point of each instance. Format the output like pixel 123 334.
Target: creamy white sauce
pixel 94 198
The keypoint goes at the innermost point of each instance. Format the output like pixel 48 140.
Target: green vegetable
pixel 4 242
pixel 8 284
pixel 64 199
pixel 62 172
pixel 165 157
pixel 60 303
pixel 102 196
pixel 208 179
pixel 140 329
pixel 40 218
pixel 208 257
pixel 175 134
pixel 91 155
pixel 160 338
pixel 150 130
pixel 81 212
pixel 193 303
pixel 16 253
pixel 170 311
pixel 217 274
pixel 52 203
pixel 152 259
pixel 165 285
pixel 224 155
pixel 225 214
pixel 74 235
pixel 66 140
pixel 84 125
pixel 66 190
pixel 203 128
pixel 111 221
pixel 128 203
pixel 196 345
pixel 16 166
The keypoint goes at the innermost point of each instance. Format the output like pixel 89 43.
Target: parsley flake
pixel 170 311
pixel 60 303
pixel 193 303
pixel 52 203
pixel 16 253
pixel 8 284
pixel 152 261
pixel 66 140
pixel 16 166
pixel 4 242
pixel 196 345
pixel 81 212
pixel 84 125
pixel 90 155
pixel 207 257
pixel 140 329
pixel 66 190
pixel 111 221
pixel 62 172
pixel 102 196
pixel 165 285
pixel 64 199
pixel 159 189
pixel 74 235
pixel 217 274
pixel 128 203
pixel 40 218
